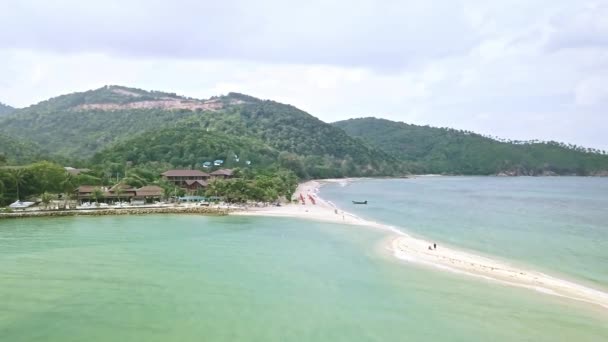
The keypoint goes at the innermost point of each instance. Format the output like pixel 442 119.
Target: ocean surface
pixel 555 224
pixel 196 278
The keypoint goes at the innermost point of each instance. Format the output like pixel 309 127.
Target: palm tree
pixel 68 187
pixel 118 191
pixel 96 194
pixel 46 198
pixel 1 190
pixel 19 177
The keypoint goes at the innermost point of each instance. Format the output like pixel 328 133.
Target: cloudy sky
pixel 519 69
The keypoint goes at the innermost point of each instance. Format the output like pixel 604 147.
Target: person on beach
pixel 434 246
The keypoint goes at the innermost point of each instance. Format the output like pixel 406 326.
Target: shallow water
pixel 555 224
pixel 192 278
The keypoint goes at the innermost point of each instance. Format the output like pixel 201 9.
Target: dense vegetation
pixel 448 151
pixel 310 147
pixel 255 186
pixel 18 151
pixel 74 130
pixel 5 109
pixel 45 181
pixel 187 147
pixel 314 148
pixel 31 180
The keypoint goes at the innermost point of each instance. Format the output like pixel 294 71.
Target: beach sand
pixel 416 250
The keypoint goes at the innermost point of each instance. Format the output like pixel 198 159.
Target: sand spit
pixel 416 250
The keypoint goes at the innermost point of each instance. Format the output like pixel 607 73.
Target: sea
pixel 200 278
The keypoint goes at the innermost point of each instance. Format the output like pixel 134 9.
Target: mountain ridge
pixel 6 109
pixel 451 151
pixel 85 123
pixel 106 120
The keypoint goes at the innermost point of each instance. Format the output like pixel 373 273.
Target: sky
pixel 533 69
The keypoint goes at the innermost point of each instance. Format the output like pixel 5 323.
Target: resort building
pixel 222 174
pixel 192 186
pixel 148 194
pixel 145 194
pixel 181 178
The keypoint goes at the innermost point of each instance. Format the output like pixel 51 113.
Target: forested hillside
pixel 448 151
pixel 5 109
pixel 112 119
pixel 188 147
pixel 19 151
pixel 114 125
pixel 315 148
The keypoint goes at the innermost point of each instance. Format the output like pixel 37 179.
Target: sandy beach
pixel 416 250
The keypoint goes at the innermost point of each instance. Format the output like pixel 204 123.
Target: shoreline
pixel 212 211
pixel 415 250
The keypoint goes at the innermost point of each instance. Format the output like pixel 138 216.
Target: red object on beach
pixel 302 199
pixel 312 199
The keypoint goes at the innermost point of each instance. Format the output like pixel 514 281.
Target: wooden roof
pixel 149 190
pixel 184 173
pixel 124 187
pixel 87 188
pixel 193 181
pixel 222 172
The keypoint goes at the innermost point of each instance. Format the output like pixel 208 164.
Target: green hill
pixel 5 109
pixel 14 150
pixel 448 151
pixel 315 146
pixel 115 124
pixel 82 124
pixel 187 147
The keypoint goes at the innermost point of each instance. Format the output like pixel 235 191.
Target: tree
pixel 68 187
pixel 118 191
pixel 45 177
pixel 19 176
pixel 2 191
pixel 46 199
pixel 96 194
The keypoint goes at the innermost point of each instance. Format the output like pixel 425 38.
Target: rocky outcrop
pixel 602 173
pixel 525 172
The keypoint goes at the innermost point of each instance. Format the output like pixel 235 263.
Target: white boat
pixel 21 205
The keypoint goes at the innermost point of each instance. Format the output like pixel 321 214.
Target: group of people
pixel 433 247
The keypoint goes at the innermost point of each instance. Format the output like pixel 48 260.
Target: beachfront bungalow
pixel 120 192
pixel 192 186
pixel 145 194
pixel 148 194
pixel 84 193
pixel 179 177
pixel 222 174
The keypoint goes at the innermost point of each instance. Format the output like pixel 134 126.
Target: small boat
pixel 359 202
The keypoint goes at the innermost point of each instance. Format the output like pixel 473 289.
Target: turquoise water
pixel 557 224
pixel 196 278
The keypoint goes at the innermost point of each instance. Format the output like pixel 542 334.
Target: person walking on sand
pixel 434 246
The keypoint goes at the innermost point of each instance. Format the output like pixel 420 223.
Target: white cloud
pixel 521 69
pixel 592 91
